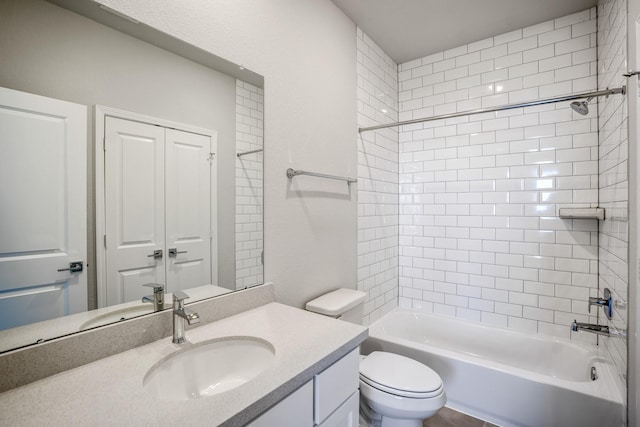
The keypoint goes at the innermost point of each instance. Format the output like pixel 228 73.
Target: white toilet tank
pixel 344 304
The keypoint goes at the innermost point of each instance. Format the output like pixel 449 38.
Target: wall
pixel 613 166
pixel 377 179
pixel 633 313
pixel 249 185
pixel 305 51
pixel 479 195
pixel 103 66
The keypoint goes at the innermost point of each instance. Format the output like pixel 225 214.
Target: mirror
pixel 86 55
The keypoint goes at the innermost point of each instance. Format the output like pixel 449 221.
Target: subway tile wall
pixel 613 157
pixel 249 185
pixel 479 235
pixel 377 179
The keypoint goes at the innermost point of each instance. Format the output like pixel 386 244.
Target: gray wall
pixel 52 52
pixel 305 49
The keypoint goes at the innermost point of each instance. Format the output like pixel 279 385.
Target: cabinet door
pixel 134 212
pixel 43 175
pixel 296 410
pixel 347 415
pixel 188 210
pixel 335 384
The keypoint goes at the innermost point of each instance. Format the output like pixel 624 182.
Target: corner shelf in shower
pixel 582 213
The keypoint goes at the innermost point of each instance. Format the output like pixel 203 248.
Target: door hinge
pixel 210 158
pixel 104 144
pixel 262 257
pixel 105 241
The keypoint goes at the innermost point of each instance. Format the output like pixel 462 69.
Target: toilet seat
pixel 390 405
pixel 400 376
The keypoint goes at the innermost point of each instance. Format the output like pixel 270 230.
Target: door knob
pixel 173 252
pixel 74 267
pixel 157 254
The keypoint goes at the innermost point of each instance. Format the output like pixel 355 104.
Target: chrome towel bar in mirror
pixel 291 173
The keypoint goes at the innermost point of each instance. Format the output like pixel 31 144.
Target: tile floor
pixel 449 418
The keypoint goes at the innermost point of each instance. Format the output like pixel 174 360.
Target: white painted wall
pixel 305 49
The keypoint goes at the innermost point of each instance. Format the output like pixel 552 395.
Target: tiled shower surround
pixel 614 154
pixel 249 195
pixel 480 237
pixel 478 232
pixel 377 179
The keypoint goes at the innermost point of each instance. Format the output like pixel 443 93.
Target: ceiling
pixel 410 29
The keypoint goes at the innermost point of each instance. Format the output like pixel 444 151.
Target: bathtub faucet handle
pixel 606 302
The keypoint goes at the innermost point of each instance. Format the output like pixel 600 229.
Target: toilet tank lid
pixel 336 302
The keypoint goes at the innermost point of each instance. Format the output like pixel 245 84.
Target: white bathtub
pixel 504 377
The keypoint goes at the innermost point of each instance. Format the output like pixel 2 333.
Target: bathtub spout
pixel 596 329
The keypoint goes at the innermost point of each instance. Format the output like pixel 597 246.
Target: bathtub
pixel 505 377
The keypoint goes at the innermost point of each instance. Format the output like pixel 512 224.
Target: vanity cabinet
pixel 334 389
pixel 296 410
pixel 331 399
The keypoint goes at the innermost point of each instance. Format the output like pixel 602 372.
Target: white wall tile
pixel 249 176
pixel 613 234
pixel 378 211
pixel 476 226
pixel 497 179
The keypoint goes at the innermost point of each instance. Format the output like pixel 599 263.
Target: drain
pixel 594 374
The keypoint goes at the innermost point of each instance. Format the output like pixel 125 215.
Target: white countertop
pixel 110 391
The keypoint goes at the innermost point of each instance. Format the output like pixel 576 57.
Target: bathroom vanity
pixel 310 378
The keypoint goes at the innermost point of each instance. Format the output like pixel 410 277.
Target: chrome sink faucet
pixel 157 299
pixel 180 315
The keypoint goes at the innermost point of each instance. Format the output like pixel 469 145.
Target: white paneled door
pixel 157 209
pixel 188 209
pixel 43 223
pixel 134 193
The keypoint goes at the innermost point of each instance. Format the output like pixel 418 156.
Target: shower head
pixel 581 107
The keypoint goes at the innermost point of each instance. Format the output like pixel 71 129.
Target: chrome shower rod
pixel 249 152
pixel 292 172
pixel 620 90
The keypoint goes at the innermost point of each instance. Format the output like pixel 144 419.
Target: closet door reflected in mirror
pixel 158 197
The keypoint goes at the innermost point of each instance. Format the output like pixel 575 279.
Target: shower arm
pixel 620 90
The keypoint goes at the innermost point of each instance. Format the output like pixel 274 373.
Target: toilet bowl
pixel 398 391
pixel 395 391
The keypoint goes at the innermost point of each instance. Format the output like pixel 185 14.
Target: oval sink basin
pixel 209 368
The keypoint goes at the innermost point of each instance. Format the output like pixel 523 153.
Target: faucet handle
pixel 179 296
pixel 157 288
pixel 606 302
pixel 157 299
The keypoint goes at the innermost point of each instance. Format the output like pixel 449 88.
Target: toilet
pixel 395 391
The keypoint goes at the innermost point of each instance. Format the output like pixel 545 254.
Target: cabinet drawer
pixel 296 410
pixel 334 385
